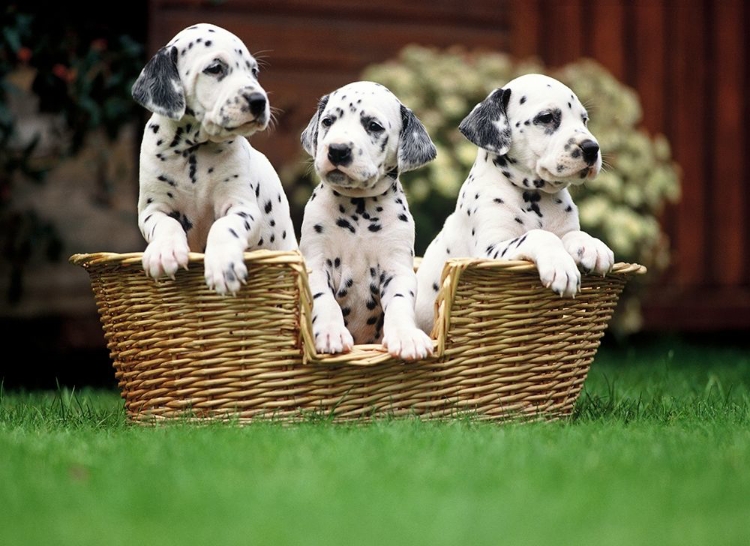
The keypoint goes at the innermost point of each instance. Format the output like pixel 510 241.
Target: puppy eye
pixel 255 72
pixel 585 121
pixel 375 127
pixel 326 122
pixel 544 118
pixel 217 68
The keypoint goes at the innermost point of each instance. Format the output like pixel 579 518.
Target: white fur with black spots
pixel 357 233
pixel 203 187
pixel 533 144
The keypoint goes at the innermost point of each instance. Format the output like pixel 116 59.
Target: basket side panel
pixel 179 348
pixel 520 349
pixel 349 393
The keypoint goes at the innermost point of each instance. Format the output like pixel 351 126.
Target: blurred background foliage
pixel 64 74
pixel 621 206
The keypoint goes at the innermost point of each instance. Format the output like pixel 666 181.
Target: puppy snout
pixel 590 150
pixel 339 154
pixel 256 102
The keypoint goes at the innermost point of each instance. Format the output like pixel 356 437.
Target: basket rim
pixel 135 258
pixel 295 256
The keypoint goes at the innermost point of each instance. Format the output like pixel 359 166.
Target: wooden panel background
pixel 686 58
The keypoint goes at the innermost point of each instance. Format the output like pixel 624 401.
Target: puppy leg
pixel 331 335
pixel 589 252
pixel 401 336
pixel 167 248
pixel 229 236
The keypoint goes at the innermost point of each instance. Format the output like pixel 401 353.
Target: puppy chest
pixel 357 288
pixel 371 225
pixel 541 210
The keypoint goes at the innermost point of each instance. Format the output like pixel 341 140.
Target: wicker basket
pixel 505 347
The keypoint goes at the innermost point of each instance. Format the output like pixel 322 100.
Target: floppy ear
pixel 309 137
pixel 159 88
pixel 415 148
pixel 487 125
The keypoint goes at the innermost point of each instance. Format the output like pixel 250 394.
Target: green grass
pixel 658 452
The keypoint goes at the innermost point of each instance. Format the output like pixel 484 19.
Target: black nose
pixel 590 151
pixel 339 154
pixel 257 103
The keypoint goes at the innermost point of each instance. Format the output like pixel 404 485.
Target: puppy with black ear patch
pixel 533 144
pixel 357 233
pixel 203 188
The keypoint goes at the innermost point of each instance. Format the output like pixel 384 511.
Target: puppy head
pixel 207 73
pixel 362 133
pixel 542 126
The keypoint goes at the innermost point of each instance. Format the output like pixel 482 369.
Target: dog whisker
pixel 261 58
pixel 273 121
pixel 276 111
pixel 310 167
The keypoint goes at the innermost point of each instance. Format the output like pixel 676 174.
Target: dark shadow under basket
pixel 505 346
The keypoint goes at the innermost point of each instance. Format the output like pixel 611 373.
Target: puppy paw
pixel 591 254
pixel 225 270
pixel 559 272
pixel 333 338
pixel 163 257
pixel 408 344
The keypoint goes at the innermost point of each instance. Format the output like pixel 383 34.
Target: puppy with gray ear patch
pixel 357 232
pixel 533 144
pixel 203 188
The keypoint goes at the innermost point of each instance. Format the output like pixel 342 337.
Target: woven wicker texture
pixel 505 347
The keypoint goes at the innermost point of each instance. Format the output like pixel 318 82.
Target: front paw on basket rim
pixel 408 345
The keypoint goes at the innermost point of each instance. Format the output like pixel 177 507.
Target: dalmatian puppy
pixel 533 144
pixel 357 233
pixel 203 188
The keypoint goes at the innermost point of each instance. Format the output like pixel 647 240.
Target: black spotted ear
pixel 487 125
pixel 415 148
pixel 159 88
pixel 309 137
